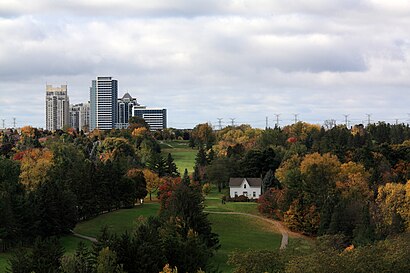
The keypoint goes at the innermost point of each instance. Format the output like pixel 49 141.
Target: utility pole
pixel 296 117
pixel 4 127
pixel 220 123
pixel 277 120
pixel 233 121
pixel 346 121
pixel 14 123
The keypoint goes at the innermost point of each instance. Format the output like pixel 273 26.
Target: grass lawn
pixel 117 221
pixel 184 156
pixel 213 203
pixel 242 233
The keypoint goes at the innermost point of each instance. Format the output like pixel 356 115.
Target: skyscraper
pixel 124 110
pixel 103 103
pixel 80 116
pixel 57 107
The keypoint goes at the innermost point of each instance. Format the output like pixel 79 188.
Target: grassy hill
pixel 183 155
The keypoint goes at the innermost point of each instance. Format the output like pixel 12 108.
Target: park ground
pixel 236 232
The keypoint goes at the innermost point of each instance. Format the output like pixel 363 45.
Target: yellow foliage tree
pixel 35 165
pixel 153 181
pixel 354 180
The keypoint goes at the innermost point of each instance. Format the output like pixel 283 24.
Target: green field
pixel 118 221
pixel 183 155
pixel 242 233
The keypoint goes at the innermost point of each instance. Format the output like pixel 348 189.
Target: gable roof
pixel 253 182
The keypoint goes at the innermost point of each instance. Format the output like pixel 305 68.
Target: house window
pixel 245 193
pixel 254 194
pixel 244 186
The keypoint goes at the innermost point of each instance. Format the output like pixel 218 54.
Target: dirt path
pixel 278 225
pixel 91 239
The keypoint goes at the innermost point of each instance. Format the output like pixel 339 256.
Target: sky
pixel 203 60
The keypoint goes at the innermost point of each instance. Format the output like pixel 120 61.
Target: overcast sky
pixel 203 60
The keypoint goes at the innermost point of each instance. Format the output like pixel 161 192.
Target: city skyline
pixel 202 61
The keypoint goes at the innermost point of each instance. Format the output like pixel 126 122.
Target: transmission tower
pixel 233 122
pixel 296 117
pixel 14 123
pixel 220 123
pixel 4 126
pixel 346 121
pixel 368 119
pixel 277 120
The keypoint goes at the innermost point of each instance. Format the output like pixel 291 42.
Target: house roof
pixel 253 182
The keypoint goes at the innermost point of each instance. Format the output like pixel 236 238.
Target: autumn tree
pixel 35 166
pixel 153 181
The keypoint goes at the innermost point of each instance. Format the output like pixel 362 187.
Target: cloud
pixel 209 59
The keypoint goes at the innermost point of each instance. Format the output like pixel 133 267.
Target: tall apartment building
pixel 80 116
pixel 155 117
pixel 103 103
pixel 57 107
pixel 124 110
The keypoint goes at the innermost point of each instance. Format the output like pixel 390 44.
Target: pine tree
pixel 171 167
pixel 185 179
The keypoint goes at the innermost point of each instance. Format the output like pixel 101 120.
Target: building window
pixel 244 186
pixel 245 193
pixel 254 194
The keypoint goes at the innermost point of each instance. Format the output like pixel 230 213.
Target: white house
pixel 250 187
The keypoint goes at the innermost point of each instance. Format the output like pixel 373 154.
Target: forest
pixel 347 187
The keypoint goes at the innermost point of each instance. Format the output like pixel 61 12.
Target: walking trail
pixel 278 225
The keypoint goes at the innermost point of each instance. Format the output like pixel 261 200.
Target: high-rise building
pixel 80 116
pixel 155 117
pixel 57 107
pixel 103 103
pixel 124 110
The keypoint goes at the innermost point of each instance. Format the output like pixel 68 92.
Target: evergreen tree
pixel 171 168
pixel 185 179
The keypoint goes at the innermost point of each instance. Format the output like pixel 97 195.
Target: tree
pixel 153 181
pixel 138 184
pixel 170 167
pixel 185 179
pixel 269 181
pixel 219 172
pixel 35 165
pixel 107 262
pixel 137 122
pixel 203 135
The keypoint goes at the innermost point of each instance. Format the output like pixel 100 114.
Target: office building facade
pixel 155 117
pixel 124 110
pixel 57 107
pixel 103 103
pixel 80 116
